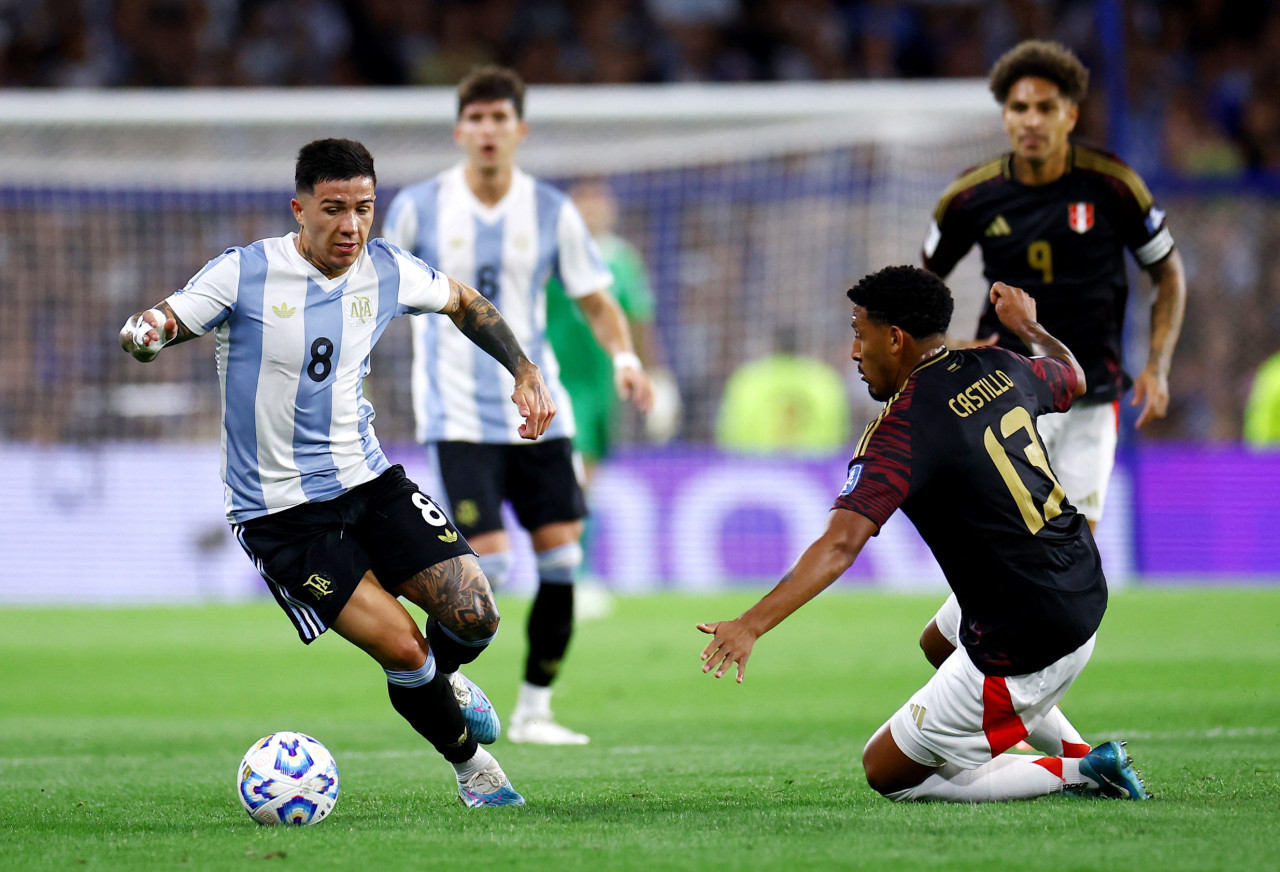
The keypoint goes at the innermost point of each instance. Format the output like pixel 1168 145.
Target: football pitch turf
pixel 121 730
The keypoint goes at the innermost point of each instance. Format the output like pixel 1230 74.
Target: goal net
pixel 754 207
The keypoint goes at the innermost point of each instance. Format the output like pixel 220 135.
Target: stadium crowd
pixel 1204 74
pixel 1204 106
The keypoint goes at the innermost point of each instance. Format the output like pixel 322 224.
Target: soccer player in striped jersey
pixel 1055 218
pixel 956 448
pixel 337 532
pixel 487 222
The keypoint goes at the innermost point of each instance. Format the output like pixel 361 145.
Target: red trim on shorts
pixel 1000 722
pixel 1053 764
pixel 1115 407
pixel 1071 749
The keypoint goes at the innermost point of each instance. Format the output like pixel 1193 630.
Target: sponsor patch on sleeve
pixel 855 473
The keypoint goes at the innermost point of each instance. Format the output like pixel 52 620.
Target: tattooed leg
pixel 463 615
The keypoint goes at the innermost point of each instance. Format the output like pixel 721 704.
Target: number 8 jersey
pixel 1020 559
pixel 292 352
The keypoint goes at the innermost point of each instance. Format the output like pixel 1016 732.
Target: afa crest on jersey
pixel 1080 217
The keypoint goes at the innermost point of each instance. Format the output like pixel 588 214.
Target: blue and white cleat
pixel 489 786
pixel 1111 767
pixel 481 719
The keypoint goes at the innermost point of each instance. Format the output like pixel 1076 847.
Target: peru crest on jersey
pixel 1080 217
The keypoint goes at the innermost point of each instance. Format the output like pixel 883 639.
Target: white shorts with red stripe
pixel 1081 444
pixel 965 717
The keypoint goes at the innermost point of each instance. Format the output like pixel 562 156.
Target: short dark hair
pixel 1043 59
pixel 908 297
pixel 329 160
pixel 491 82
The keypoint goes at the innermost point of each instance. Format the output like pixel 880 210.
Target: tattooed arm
pixel 480 322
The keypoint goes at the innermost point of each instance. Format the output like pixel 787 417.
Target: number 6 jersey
pixel 958 451
pixel 292 352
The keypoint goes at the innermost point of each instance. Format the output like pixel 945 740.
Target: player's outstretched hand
pixel 1152 387
pixel 732 643
pixel 534 402
pixel 1014 306
pixel 146 333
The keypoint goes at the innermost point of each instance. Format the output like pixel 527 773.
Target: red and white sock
pixel 1056 737
pixel 1008 776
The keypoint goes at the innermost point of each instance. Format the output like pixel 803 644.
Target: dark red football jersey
pixel 957 450
pixel 1064 244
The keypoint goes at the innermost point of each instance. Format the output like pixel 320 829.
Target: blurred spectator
pixel 1262 413
pixel 785 402
pixel 1203 102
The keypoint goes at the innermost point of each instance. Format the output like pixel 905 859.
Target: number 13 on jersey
pixel 1035 517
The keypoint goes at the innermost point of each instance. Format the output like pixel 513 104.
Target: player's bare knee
pixel 877 775
pixel 402 653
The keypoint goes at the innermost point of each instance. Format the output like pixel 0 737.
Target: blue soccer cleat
pixel 487 787
pixel 481 719
pixel 1111 767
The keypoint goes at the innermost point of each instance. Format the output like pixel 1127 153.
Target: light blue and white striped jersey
pixel 507 253
pixel 292 352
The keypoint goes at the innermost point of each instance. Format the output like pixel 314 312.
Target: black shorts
pixel 538 480
pixel 313 555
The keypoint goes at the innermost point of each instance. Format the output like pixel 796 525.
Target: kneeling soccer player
pixel 956 448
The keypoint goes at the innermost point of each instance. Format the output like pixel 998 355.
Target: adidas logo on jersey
pixel 999 227
pixel 284 310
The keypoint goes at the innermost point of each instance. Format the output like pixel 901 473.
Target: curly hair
pixel 1052 61
pixel 908 297
pixel 491 82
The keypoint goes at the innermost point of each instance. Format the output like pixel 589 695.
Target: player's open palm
pixel 732 643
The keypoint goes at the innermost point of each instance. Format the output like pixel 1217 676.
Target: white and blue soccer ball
pixel 287 778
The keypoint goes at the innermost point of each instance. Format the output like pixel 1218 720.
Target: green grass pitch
pixel 120 731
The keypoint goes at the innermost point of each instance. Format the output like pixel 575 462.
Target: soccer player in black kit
pixel 956 449
pixel 1055 218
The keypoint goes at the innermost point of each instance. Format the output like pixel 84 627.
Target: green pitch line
pixel 120 731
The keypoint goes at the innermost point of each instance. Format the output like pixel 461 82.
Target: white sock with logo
pixel 1008 776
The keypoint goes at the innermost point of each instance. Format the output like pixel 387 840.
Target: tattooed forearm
pixel 455 593
pixel 481 322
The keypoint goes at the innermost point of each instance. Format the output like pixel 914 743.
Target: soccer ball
pixel 287 778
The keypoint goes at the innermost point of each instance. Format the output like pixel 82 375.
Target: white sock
pixel 1008 776
pixel 1057 737
pixel 534 701
pixel 466 769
